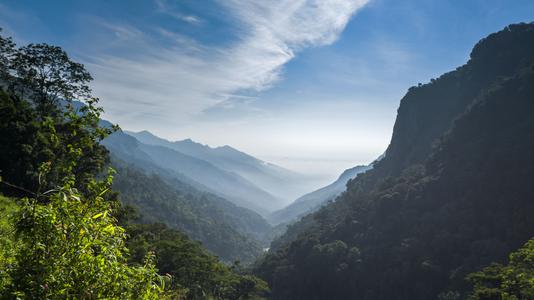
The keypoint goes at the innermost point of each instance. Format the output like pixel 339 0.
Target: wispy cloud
pixel 186 77
pixel 164 8
pixel 122 32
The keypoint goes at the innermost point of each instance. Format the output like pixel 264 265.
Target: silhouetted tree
pixel 47 74
pixel 7 50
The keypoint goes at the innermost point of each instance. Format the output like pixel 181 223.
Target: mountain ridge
pixel 280 182
pixel 200 173
pixel 312 201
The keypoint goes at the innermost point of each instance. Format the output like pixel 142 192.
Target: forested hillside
pixel 311 202
pixel 202 174
pixel 231 232
pixel 451 196
pixel 167 196
pixel 278 181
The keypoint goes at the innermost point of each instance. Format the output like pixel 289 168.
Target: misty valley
pixel 91 209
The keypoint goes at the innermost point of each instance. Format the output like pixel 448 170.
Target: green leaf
pixel 98 215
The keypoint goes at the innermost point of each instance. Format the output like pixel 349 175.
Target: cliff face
pixel 427 111
pixel 451 195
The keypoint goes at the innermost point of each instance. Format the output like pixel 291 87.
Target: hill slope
pixel 229 231
pixel 280 182
pixel 199 173
pixel 314 200
pixel 164 195
pixel 452 194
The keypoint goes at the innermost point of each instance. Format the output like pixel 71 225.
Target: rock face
pixel 451 195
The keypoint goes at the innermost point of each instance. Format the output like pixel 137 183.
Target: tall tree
pixel 48 74
pixel 37 127
pixel 7 50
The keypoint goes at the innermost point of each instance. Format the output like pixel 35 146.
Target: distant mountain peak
pixel 283 184
pixel 188 140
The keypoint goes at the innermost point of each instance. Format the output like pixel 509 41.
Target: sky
pixel 311 85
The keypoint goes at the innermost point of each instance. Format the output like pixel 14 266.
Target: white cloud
pixel 179 81
pixel 164 8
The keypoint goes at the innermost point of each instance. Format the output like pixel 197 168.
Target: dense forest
pixel 452 195
pixel 223 228
pixel 64 232
pixel 229 231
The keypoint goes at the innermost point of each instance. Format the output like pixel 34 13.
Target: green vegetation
pixel 193 269
pixel 63 241
pixel 60 237
pixel 9 246
pixel 511 282
pixel 71 247
pixel 222 227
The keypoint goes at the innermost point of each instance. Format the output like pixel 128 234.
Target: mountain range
pixel 277 181
pixel 165 195
pixel 200 173
pixel 224 171
pixel 227 230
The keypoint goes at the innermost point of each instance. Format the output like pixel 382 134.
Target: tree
pixel 8 244
pixel 48 74
pixel 38 127
pixel 7 50
pixel 27 141
pixel 196 273
pixel 71 247
pixel 68 242
pixel 514 281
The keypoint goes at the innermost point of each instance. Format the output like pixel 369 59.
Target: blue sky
pixel 312 85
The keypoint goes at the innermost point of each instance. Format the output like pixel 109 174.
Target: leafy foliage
pixel 46 74
pixel 511 282
pixel 40 126
pixel 194 271
pixel 204 217
pixel 7 50
pixel 27 142
pixel 67 243
pixel 72 248
pixel 9 246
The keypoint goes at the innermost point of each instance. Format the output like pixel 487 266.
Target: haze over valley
pixel 285 149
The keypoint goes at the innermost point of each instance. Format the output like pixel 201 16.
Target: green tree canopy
pixel 44 73
pixel 514 281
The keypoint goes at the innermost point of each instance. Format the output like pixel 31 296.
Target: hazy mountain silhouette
pixel 197 172
pixel 280 182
